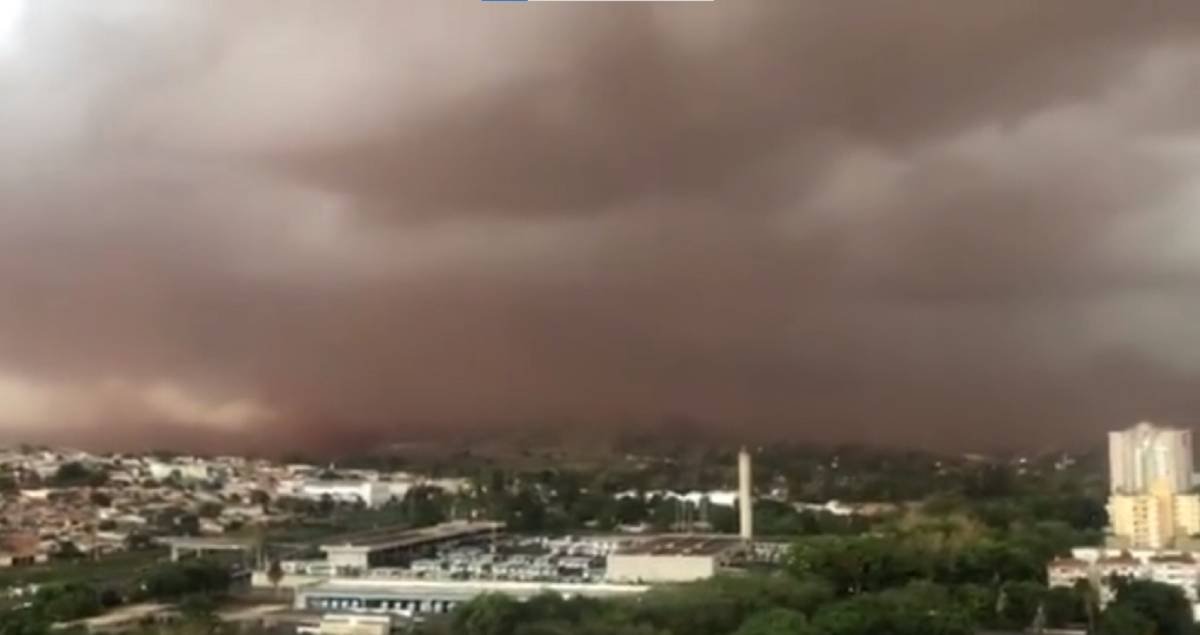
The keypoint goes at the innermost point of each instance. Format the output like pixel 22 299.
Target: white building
pixel 420 597
pixel 182 470
pixel 1146 454
pixel 1068 572
pixel 370 493
pixel 679 558
pixel 719 498
pixel 1180 570
pixel 1100 566
pixel 448 485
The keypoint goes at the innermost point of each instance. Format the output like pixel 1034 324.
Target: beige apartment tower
pixel 1151 505
pixel 1157 520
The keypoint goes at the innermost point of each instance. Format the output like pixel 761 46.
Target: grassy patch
pixel 115 569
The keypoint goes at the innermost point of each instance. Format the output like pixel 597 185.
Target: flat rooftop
pixel 459 590
pixel 211 542
pixel 397 537
pixel 681 546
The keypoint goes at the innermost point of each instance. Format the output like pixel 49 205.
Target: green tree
pixel 756 593
pixel 1018 604
pixel 199 608
pixel 326 505
pixel 1123 620
pixel 188 525
pixel 209 509
pixel 425 506
pixel 979 602
pixel 66 603
pixel 919 609
pixel 488 614
pixel 525 511
pixel 776 622
pixel 1163 605
pixel 68 550
pixel 861 615
pixel 275 575
pixel 75 474
pixel 179 579
pixel 631 510
pixel 260 498
pixel 137 541
pixel 923 608
pixel 854 564
pixel 695 608
pixel 1064 607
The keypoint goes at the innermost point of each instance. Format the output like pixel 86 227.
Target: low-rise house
pixel 1068 572
pixel 1177 569
pixel 22 548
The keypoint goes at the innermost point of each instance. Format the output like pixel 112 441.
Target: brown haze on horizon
pixel 931 222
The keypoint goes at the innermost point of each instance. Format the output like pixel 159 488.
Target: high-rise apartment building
pixel 1150 479
pixel 1155 520
pixel 1145 455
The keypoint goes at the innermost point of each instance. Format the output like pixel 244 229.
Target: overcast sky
pixel 934 222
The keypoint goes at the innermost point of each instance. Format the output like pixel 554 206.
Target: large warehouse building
pixel 672 559
pixel 388 547
pixel 411 597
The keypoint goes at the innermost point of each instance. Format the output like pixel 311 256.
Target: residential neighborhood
pixel 71 504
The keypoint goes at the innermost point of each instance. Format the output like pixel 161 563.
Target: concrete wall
pixel 660 568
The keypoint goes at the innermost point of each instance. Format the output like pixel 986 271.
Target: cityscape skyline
pixel 736 317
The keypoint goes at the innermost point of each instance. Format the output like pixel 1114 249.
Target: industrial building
pixel 414 597
pixel 391 547
pixel 683 558
pixel 369 493
pixel 408 573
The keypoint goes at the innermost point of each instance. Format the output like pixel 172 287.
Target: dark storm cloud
pixel 937 222
pixel 635 110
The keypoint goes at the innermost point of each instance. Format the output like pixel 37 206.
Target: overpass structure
pixel 412 597
pixel 359 552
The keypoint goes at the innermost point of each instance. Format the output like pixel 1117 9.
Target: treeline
pixel 787 604
pixel 562 496
pixel 191 583
pixel 564 501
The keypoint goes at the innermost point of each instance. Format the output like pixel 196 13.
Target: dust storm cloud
pixel 933 222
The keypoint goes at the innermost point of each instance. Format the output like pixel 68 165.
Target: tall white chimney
pixel 745 497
